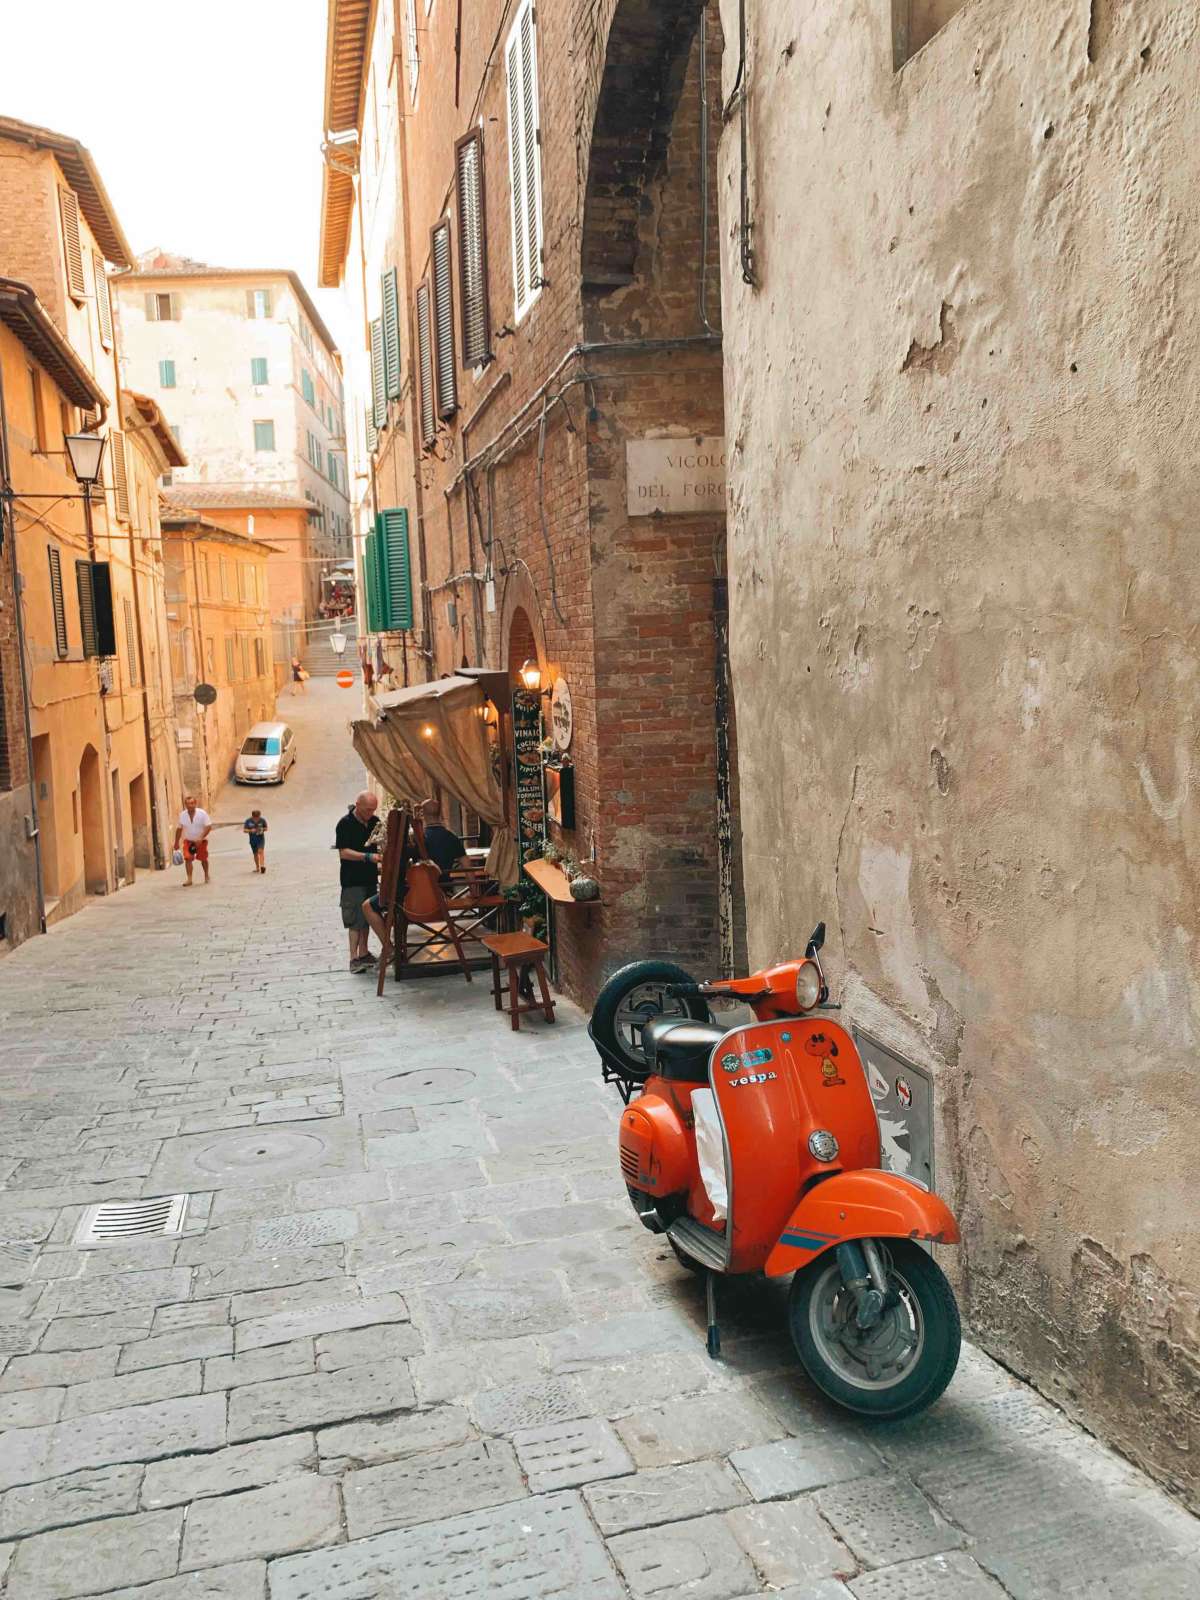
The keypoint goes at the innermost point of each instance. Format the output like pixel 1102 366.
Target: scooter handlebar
pixel 684 991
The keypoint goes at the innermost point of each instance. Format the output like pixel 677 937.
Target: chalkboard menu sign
pixel 528 783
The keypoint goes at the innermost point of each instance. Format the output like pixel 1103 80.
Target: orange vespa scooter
pixel 756 1149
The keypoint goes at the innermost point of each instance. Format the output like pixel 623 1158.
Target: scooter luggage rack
pixel 614 1070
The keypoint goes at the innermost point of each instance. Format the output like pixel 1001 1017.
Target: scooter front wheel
pixel 905 1361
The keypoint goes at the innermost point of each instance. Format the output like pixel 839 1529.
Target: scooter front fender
pixel 865 1204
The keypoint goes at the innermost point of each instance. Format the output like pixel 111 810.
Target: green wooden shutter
pixel 378 385
pixel 391 333
pixel 306 386
pixel 394 552
pixel 258 371
pixel 371 578
pixel 166 374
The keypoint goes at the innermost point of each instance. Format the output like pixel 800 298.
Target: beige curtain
pixel 433 735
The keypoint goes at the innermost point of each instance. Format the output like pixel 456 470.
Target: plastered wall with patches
pixel 960 411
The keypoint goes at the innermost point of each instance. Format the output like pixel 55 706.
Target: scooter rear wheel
pixel 633 996
pixel 898 1368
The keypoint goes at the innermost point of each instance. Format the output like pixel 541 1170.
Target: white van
pixel 268 752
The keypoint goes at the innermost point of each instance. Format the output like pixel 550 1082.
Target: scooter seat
pixel 680 1050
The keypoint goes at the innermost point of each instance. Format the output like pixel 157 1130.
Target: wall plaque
pixel 674 476
pixel 562 718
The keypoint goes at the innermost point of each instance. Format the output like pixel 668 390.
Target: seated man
pixel 441 845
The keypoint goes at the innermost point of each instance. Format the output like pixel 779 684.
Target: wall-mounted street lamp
pixel 86 451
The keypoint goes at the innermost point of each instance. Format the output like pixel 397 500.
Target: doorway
pixel 118 829
pixel 91 807
pixel 43 778
pixel 139 822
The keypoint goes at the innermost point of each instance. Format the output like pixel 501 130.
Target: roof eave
pixel 23 313
pixel 84 177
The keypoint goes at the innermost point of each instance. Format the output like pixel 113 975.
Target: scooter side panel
pixel 869 1204
pixel 776 1083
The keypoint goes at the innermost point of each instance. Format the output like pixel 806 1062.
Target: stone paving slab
pixel 79 1497
pixel 183 1479
pixel 301 1513
pixel 260 1409
pixel 537 1549
pixel 696 1560
pixel 428 1486
pixel 95 1556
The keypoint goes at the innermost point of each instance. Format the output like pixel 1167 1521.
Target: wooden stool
pixel 517 950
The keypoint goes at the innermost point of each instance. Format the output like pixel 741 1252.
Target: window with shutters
pixel 258 371
pixel 395 570
pixel 162 308
pixel 57 603
pixel 378 375
pixel 445 368
pixel 245 658
pixel 230 664
pixel 130 644
pixel 120 472
pixel 390 319
pixel 264 435
pixel 412 54
pixel 306 387
pixel 205 589
pixel 260 659
pixel 258 304
pixel 425 365
pixel 103 300
pixel 524 158
pixel 306 338
pixel 166 374
pixel 38 413
pixel 472 251
pixel 68 210
pixel 87 607
pixel 224 570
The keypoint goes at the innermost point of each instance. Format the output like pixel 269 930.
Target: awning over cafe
pixel 433 735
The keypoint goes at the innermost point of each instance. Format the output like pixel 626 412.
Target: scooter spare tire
pixel 633 996
pixel 903 1365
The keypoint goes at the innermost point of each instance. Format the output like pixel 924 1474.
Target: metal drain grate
pixel 132 1219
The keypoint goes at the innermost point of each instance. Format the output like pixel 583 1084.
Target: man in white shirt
pixel 195 825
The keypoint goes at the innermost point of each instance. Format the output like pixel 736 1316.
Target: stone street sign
pixel 674 475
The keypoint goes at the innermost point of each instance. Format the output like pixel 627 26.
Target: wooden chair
pixel 518 951
pixel 447 922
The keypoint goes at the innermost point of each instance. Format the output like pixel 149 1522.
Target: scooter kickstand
pixel 714 1333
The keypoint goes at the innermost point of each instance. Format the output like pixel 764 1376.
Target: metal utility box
pixel 903 1096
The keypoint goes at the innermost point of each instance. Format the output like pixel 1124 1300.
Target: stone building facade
pixel 547 172
pixel 90 592
pixel 963 492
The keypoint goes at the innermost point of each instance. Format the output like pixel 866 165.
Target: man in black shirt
pixel 359 875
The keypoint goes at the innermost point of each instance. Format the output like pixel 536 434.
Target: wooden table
pixel 515 951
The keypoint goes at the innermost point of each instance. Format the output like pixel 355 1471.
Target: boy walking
pixel 255 829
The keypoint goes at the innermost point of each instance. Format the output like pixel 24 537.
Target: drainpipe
pixel 724 782
pixel 6 492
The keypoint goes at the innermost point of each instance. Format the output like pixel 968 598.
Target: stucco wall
pixel 963 435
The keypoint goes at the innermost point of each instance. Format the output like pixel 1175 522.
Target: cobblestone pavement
pixel 412 1342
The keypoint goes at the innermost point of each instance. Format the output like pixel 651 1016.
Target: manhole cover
pixel 131 1219
pixel 423 1084
pixel 244 1152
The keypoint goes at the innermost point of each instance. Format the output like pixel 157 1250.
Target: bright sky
pixel 204 119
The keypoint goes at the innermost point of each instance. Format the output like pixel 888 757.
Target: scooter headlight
pixel 808 986
pixel 822 1145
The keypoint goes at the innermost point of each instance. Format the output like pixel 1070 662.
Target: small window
pixel 390 320
pixel 205 590
pixel 258 303
pixel 245 658
pixel 425 365
pixel 260 666
pixel 166 374
pixel 224 568
pixel 57 603
pixel 68 210
pixel 131 644
pixel 103 300
pixel 306 338
pixel 524 158
pixel 162 308
pixel 306 387
pixel 258 371
pixel 38 415
pixel 914 23
pixel 230 664
pixel 445 368
pixel 120 472
pixel 472 251
pixel 264 435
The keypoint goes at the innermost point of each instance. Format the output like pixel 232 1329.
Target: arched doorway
pixel 91 822
pixel 522 642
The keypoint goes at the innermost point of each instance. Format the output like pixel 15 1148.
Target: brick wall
pixel 621 608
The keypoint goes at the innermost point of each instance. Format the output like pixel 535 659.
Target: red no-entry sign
pixel 345 678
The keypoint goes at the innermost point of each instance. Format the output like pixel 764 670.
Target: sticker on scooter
pixel 825 1050
pixel 756 1058
pixel 730 1063
pixel 752 1077
pixel 904 1092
